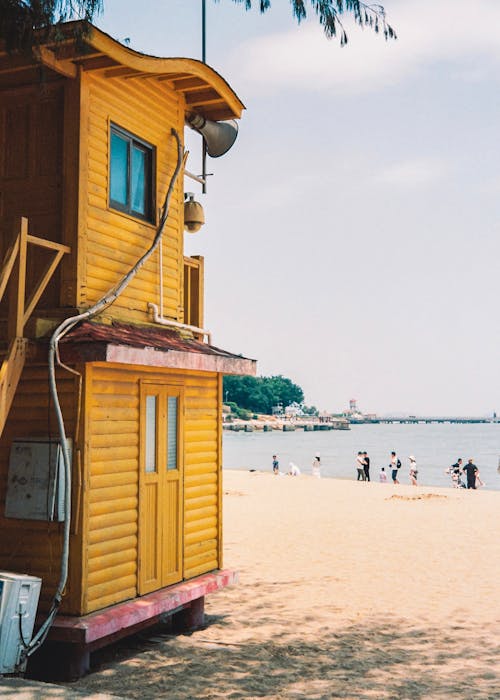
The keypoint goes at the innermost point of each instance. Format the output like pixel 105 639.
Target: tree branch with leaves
pixel 22 21
pixel 329 13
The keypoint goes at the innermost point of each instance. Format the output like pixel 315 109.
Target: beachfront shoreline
pixel 347 591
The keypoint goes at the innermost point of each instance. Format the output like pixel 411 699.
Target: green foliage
pixel 330 11
pixel 310 410
pixel 260 394
pixel 24 23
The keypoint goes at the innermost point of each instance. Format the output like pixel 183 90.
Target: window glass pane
pixel 119 169
pixel 150 433
pixel 138 180
pixel 172 433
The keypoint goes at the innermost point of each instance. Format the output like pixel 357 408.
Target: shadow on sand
pixel 376 659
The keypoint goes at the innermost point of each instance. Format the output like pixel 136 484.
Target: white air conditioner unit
pixel 19 595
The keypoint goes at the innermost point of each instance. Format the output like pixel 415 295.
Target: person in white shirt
pixel 382 476
pixel 360 466
pixel 293 470
pixel 395 465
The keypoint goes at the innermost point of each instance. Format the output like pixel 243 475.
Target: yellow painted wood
pixel 195 492
pixel 115 241
pixel 10 373
pixel 200 547
pixel 112 560
pixel 101 507
pixel 220 547
pixel 101 574
pixel 99 537
pixel 109 494
pixel 160 496
pixel 100 599
pixel 118 545
pixel 112 518
pixel 113 591
pixel 202 502
pixel 15 322
pixel 202 568
pixel 8 265
pixel 200 535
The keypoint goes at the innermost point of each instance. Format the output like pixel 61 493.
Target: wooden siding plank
pixel 113 546
pixel 99 508
pixel 111 561
pixel 102 535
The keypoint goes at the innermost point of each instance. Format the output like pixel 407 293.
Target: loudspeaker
pixel 219 136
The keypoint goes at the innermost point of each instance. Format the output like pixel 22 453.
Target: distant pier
pixel 422 419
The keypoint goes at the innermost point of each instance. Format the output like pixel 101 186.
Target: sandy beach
pixel 347 590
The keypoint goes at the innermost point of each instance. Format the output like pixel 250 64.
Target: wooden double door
pixel 160 486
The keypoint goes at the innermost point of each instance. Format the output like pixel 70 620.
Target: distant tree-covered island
pixel 263 394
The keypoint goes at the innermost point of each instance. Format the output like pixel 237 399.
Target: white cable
pixel 63 328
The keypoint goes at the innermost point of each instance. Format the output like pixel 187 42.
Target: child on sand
pixel 293 470
pixel 276 465
pixel 382 476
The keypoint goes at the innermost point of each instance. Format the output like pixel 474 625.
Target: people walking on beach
pixel 316 466
pixel 276 465
pixel 456 473
pixel 471 470
pixel 293 470
pixel 395 466
pixel 360 466
pixel 413 471
pixel 382 477
pixel 366 466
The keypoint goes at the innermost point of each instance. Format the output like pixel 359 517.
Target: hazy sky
pixel 352 236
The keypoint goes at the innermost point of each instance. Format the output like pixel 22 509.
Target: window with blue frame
pixel 131 174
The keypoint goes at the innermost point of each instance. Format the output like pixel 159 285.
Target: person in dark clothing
pixel 367 466
pixel 471 470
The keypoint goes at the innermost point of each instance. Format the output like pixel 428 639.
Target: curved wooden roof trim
pixel 167 68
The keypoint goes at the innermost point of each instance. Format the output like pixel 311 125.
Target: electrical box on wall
pixel 19 595
pixel 36 481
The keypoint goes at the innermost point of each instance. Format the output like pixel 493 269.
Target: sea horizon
pixel 435 446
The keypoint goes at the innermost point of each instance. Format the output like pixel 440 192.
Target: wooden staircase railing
pixel 20 309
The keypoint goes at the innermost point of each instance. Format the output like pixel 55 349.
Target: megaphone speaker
pixel 219 136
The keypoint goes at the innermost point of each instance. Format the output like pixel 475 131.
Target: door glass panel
pixel 138 180
pixel 172 433
pixel 119 169
pixel 151 433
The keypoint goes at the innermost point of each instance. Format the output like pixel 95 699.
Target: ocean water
pixel 435 447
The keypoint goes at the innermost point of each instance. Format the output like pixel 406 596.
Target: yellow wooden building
pixel 86 157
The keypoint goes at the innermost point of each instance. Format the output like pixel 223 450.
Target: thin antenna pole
pixel 204 31
pixel 204 59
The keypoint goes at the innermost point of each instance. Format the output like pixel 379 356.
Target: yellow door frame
pixel 161 490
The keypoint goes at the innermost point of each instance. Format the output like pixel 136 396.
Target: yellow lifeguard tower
pixel 91 137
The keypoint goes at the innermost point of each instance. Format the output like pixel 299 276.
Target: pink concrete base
pixel 148 608
pixel 73 638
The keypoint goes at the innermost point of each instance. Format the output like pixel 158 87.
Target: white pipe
pixel 196 178
pixel 158 318
pixel 161 277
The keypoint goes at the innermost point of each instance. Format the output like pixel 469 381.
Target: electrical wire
pixel 109 298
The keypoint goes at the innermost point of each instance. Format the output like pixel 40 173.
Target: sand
pixel 347 590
